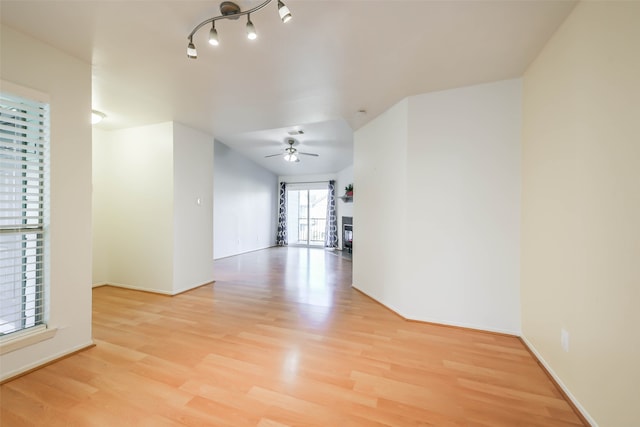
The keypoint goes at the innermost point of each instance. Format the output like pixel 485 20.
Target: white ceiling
pixel 331 60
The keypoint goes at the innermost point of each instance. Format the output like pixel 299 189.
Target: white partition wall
pixel 463 207
pixel 153 186
pixel 438 207
pixel 380 171
pixel 192 208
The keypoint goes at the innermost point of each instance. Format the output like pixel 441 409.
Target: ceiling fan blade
pixel 273 155
pixel 309 154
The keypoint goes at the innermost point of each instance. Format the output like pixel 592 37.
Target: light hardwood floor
pixel 281 339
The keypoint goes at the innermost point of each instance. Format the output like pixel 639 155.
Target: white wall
pixel 148 228
pixel 101 206
pixel 67 81
pixel 437 233
pixel 192 208
pixel 581 208
pixel 463 204
pixel 345 177
pixel 306 178
pixel 245 204
pixel 379 207
pixel 134 184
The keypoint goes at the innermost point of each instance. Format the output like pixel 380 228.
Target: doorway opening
pixel 307 215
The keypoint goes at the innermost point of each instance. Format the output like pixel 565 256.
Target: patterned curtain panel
pixel 281 238
pixel 331 233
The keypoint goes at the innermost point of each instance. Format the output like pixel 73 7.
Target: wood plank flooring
pixel 281 339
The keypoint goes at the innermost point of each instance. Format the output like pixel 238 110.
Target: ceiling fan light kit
pixel 291 157
pixel 230 10
pixel 291 154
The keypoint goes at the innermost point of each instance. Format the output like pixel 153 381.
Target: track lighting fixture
pixel 230 10
pixel 213 35
pixel 251 30
pixel 191 50
pixel 283 10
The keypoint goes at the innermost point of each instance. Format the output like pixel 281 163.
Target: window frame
pixel 33 101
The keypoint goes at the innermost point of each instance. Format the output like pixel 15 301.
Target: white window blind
pixel 24 143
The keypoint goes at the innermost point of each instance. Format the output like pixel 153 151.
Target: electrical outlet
pixel 564 340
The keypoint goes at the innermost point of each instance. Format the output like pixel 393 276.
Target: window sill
pixel 26 338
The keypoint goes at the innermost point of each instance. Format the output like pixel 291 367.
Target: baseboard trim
pixel 97 285
pixel 135 288
pixel 247 252
pixel 211 282
pixel 45 362
pixel 153 291
pixel 580 411
pixel 435 323
pixel 379 303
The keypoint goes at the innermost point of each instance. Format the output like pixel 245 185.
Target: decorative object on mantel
pixel 230 10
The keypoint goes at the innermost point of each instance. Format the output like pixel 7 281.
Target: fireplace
pixel 347 234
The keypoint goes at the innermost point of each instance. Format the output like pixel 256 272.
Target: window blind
pixel 24 142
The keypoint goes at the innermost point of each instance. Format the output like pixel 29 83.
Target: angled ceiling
pixel 331 60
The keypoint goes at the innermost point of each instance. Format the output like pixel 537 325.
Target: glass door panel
pixel 307 217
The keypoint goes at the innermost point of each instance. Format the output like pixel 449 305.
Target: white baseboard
pixel 188 288
pixel 44 361
pixel 154 291
pixel 138 288
pixel 482 328
pixel 558 381
pixel 245 252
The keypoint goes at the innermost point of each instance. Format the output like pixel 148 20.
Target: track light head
pixel 284 12
pixel 230 10
pixel 251 30
pixel 213 36
pixel 191 50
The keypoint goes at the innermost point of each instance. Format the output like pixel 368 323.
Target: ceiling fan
pixel 291 154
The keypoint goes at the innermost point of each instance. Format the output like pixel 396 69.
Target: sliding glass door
pixel 307 215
